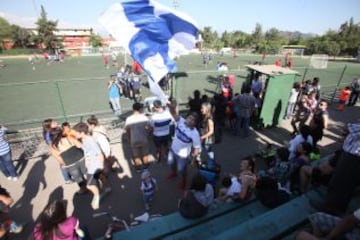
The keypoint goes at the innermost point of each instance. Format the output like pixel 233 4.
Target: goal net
pixel 319 61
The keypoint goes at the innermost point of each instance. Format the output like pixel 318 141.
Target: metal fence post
pixel 338 84
pixel 305 72
pixel 61 101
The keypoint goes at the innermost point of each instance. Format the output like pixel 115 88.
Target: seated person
pixel 319 175
pixel 247 178
pixel 230 190
pixel 302 159
pixel 303 136
pixel 326 226
pixel 281 170
pixel 197 199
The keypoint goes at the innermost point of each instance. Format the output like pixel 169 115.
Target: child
pixel 231 189
pixel 281 170
pixel 148 187
pixel 343 98
pixel 67 131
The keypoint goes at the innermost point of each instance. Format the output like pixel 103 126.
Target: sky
pixel 306 16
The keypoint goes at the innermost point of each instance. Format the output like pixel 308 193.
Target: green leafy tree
pixel 21 37
pixel 209 37
pixel 332 48
pixel 257 35
pixel 46 29
pixel 349 32
pixel 226 39
pixel 5 31
pixel 240 39
pixel 95 40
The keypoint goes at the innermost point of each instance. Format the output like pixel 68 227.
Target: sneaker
pixel 9 178
pixel 15 228
pixel 95 203
pixel 15 179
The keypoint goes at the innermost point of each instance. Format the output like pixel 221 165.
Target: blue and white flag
pixel 153 34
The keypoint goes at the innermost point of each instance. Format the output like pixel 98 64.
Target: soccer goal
pixel 319 61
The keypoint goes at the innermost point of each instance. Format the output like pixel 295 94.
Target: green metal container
pixel 277 84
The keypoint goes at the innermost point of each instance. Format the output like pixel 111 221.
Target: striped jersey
pixel 4 145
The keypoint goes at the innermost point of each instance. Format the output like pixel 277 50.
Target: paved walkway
pixel 40 180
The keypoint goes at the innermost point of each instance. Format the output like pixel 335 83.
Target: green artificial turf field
pixel 78 87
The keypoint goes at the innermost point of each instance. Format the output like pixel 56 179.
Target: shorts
pixel 326 223
pixel 140 149
pixel 160 141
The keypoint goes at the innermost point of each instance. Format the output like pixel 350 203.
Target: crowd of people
pixel 84 153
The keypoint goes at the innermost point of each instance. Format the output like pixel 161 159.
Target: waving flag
pixel 152 33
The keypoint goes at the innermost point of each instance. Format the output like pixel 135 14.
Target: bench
pixel 230 221
pixel 174 223
pixel 275 222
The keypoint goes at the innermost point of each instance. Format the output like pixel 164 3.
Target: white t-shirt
pixel 184 139
pixel 235 187
pixel 91 153
pixel 99 134
pixel 295 142
pixel 293 95
pixel 161 122
pixel 137 124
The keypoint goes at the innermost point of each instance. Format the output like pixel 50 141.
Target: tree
pixel 21 36
pixel 209 37
pixel 5 31
pixel 46 29
pixel 95 40
pixel 332 48
pixel 349 33
pixel 257 35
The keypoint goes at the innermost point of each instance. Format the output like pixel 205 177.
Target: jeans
pixel 243 122
pixel 353 97
pixel 148 198
pixel 7 166
pixel 177 163
pixel 115 103
pixel 290 109
pixel 65 174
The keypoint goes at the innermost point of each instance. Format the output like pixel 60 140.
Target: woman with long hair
pixel 47 125
pixel 207 130
pixel 67 151
pixel 55 225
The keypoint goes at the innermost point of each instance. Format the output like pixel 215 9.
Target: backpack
pixel 189 207
pixel 268 193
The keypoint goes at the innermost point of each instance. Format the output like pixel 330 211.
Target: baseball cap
pixel 145 174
